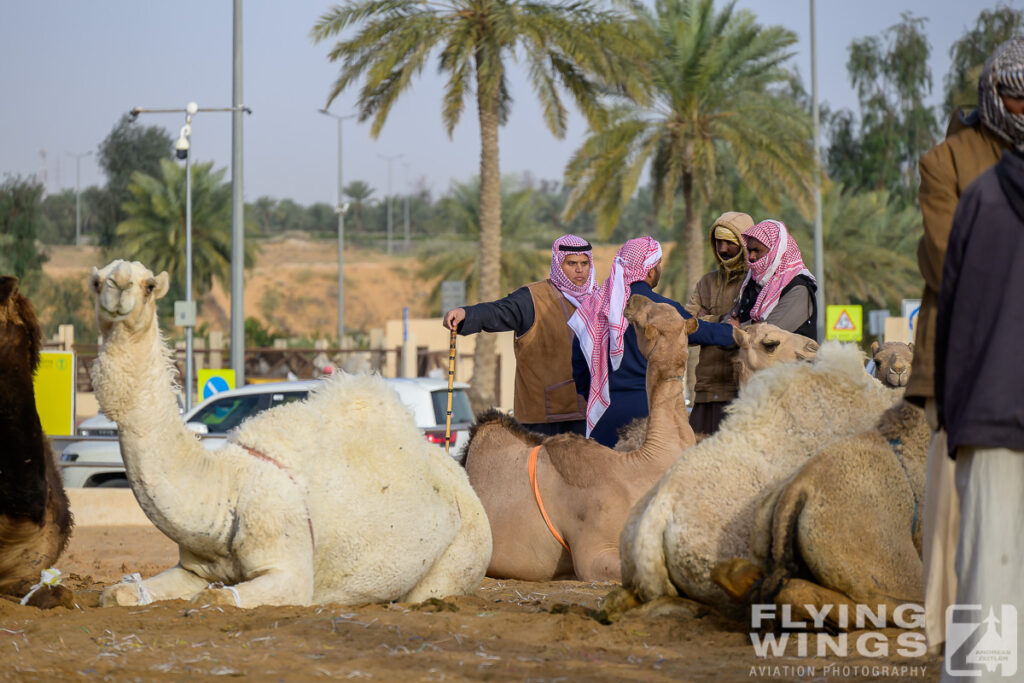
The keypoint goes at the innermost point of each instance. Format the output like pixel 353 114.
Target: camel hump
pixel 490 420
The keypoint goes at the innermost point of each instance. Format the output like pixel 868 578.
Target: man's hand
pixel 731 320
pixel 453 318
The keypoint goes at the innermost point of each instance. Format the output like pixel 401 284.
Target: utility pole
pixel 341 207
pixel 237 355
pixel 390 160
pixel 78 194
pixel 819 246
pixel 405 167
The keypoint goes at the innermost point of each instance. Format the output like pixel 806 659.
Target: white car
pixel 96 459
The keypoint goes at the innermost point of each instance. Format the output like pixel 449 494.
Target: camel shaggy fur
pixel 846 527
pixel 762 345
pixel 702 510
pixel 35 523
pixel 586 488
pixel 892 362
pixel 338 498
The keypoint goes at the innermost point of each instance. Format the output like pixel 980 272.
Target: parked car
pixel 96 460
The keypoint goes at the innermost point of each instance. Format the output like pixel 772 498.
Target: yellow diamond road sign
pixel 844 322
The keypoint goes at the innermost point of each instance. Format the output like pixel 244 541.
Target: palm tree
pixel 521 261
pixel 571 45
pixel 869 247
pixel 359 192
pixel 154 232
pixel 715 92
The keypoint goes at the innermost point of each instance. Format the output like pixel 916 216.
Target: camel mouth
pixel 114 316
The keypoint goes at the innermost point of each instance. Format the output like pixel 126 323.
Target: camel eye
pixel 150 286
pixel 770 346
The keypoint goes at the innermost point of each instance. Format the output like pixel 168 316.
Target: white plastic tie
pixel 47 577
pixel 231 589
pixel 145 597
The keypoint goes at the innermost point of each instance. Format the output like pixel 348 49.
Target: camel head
pixel 655 322
pixel 19 329
pixel 126 295
pixel 892 363
pixel 763 344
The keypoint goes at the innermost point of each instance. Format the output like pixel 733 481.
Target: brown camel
pixel 844 529
pixel 35 522
pixel 892 362
pixel 585 488
pixel 762 345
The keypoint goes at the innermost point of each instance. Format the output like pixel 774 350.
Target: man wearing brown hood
pixel 711 301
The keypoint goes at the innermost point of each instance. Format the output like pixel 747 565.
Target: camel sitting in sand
pixel 585 488
pixel 849 520
pixel 762 345
pixel 338 498
pixel 35 523
pixel 892 363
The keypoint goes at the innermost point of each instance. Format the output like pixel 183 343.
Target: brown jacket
pixel 946 171
pixel 545 391
pixel 711 299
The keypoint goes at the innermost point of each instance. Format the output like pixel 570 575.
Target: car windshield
pixel 461 411
pixel 227 413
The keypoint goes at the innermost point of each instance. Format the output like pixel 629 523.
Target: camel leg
pixel 799 593
pixel 596 561
pixel 459 570
pixel 171 584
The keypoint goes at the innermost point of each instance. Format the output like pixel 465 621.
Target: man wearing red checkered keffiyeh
pixel 778 289
pixel 607 364
pixel 545 398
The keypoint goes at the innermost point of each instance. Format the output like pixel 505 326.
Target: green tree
pixel 65 301
pixel 154 231
pixel 20 217
pixel 968 54
pixel 869 247
pixel 58 218
pixel 563 45
pixel 360 193
pixel 262 211
pixel 521 261
pixel 892 78
pixel 127 149
pixel 712 94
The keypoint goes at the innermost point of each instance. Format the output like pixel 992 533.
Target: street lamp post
pixel 390 160
pixel 78 194
pixel 405 166
pixel 185 315
pixel 341 207
pixel 819 242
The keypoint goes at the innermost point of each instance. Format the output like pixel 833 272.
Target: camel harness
pixel 531 467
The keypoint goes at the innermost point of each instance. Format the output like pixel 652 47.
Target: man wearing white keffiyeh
pixel 545 400
pixel 607 364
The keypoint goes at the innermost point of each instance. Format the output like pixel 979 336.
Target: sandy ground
pixel 506 631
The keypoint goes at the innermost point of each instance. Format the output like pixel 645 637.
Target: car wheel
pixel 113 484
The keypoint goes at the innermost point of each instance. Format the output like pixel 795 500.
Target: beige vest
pixel 545 391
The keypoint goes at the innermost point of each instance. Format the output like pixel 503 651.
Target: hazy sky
pixel 71 68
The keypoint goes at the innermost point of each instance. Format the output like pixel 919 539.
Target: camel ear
pixel 741 338
pixel 691 325
pixel 8 286
pixel 911 345
pixel 161 283
pixel 874 348
pixel 809 351
pixel 94 280
pixel 650 331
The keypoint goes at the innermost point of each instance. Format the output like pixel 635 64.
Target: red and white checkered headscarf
pixel 564 246
pixel 599 323
pixel 774 270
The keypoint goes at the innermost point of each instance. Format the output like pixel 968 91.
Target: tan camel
pixel 892 363
pixel 844 529
pixel 35 523
pixel 762 345
pixel 586 489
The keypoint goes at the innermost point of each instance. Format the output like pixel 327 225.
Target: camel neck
pixel 134 387
pixel 668 430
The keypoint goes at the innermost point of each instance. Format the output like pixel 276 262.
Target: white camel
pixel 334 499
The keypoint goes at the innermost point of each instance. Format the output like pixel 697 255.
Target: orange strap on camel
pixel 532 468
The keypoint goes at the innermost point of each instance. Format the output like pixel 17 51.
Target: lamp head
pixel 182 145
pixel 191 108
